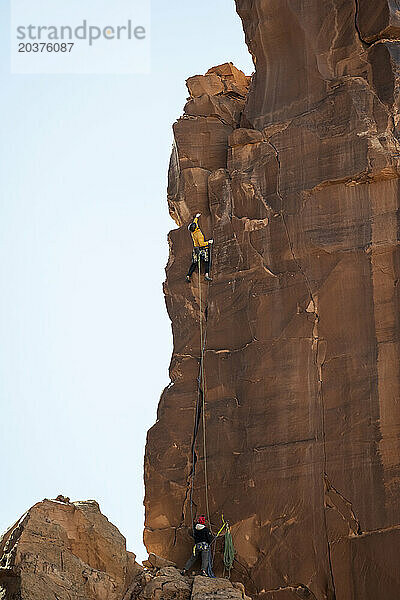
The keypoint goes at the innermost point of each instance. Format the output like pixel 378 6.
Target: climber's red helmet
pixel 201 520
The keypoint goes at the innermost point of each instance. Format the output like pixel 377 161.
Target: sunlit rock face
pixel 64 550
pixel 296 177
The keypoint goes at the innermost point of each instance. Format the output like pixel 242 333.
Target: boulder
pixel 157 562
pixel 64 550
pixel 168 585
pixel 205 588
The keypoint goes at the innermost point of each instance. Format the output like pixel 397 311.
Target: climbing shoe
pixel 207 277
pixel 204 574
pixel 188 278
pixel 183 572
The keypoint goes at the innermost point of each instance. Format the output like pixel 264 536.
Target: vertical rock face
pixel 297 182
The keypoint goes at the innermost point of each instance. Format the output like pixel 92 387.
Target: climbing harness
pixel 200 547
pixel 204 253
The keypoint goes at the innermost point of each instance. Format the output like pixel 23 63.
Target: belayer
pixel 201 249
pixel 203 539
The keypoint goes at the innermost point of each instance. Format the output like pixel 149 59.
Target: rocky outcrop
pixel 298 185
pixel 64 551
pixel 168 584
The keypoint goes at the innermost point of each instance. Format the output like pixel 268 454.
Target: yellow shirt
pixel 197 236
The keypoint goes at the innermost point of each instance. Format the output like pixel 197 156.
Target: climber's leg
pixel 205 558
pixel 207 270
pixel 192 268
pixel 189 564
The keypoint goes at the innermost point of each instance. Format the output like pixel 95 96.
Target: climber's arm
pixel 196 219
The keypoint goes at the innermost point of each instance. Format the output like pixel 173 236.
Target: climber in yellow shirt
pixel 201 248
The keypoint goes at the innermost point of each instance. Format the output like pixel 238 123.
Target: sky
pixel 85 336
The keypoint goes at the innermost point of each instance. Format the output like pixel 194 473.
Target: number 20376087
pixel 45 47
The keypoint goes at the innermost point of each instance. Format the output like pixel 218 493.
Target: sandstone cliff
pixel 297 182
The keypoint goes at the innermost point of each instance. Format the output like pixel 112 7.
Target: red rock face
pixel 302 318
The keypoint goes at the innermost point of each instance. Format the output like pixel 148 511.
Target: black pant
pixel 204 258
pixel 205 557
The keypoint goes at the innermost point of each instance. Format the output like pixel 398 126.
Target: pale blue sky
pixel 85 337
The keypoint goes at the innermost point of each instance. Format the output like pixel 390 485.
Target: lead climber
pixel 201 249
pixel 203 539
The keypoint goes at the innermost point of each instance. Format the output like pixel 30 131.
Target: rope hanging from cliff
pixel 200 403
pixel 203 395
pixel 229 550
pixel 195 431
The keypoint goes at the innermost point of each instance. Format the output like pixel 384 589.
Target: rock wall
pixel 297 182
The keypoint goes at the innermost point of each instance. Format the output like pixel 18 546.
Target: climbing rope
pixel 200 409
pixel 203 395
pixel 229 551
pixel 195 430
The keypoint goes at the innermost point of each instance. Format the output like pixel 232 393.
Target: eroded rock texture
pixel 167 583
pixel 64 551
pixel 297 182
